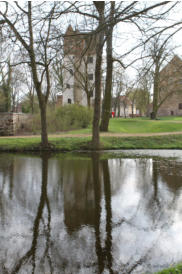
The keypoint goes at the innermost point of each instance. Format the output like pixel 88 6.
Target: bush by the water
pixel 63 118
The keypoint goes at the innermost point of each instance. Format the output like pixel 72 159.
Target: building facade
pixel 79 68
pixel 170 97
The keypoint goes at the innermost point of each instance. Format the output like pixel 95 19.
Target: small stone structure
pixel 11 123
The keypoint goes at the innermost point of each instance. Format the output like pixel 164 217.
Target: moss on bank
pixel 83 143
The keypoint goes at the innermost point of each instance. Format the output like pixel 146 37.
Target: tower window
pixel 69 101
pixel 90 76
pixel 67 85
pixel 90 59
pixel 71 71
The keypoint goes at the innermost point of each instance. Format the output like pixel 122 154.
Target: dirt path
pixel 106 134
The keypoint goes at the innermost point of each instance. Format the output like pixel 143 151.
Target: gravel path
pixel 106 134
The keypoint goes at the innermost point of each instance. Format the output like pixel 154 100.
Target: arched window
pixel 69 101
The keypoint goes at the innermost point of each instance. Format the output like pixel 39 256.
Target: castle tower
pixel 79 66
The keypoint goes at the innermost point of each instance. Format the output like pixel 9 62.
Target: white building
pixel 79 68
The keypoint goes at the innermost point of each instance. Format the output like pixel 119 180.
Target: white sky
pixel 127 35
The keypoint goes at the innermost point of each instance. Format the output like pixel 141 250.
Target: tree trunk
pixel 124 108
pixel 132 107
pixel 118 106
pixel 97 102
pixel 97 219
pixel 108 210
pixel 88 100
pixel 44 135
pixel 98 73
pixel 106 107
pixel 155 94
pixel 119 110
pixel 41 97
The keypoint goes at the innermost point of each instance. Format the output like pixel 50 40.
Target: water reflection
pixel 83 214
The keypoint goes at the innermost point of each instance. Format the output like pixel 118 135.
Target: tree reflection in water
pixel 107 193
pixel 88 215
pixel 30 256
pixel 104 254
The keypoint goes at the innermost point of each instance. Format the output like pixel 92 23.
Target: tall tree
pixel 100 5
pixel 34 30
pixel 159 52
pixel 123 13
pixel 106 106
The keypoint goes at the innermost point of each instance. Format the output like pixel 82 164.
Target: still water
pixel 84 214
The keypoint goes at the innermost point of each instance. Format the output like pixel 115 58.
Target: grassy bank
pixel 139 125
pixel 172 270
pixel 83 143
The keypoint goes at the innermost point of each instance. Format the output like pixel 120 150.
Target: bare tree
pixel 122 13
pixel 33 29
pixel 159 52
pixel 100 6
pixel 144 84
pixel 106 106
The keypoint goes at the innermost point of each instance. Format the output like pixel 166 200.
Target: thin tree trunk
pixel 98 73
pixel 124 108
pixel 44 136
pixel 108 209
pixel 106 107
pixel 132 108
pixel 97 221
pixel 88 100
pixel 118 110
pixel 155 94
pixel 118 106
pixel 37 84
pixel 97 102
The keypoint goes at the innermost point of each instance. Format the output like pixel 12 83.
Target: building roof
pixel 76 42
pixel 175 62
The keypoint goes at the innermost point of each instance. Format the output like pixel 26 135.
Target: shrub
pixel 73 117
pixel 66 117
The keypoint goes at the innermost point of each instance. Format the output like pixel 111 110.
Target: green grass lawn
pixel 140 125
pixel 84 143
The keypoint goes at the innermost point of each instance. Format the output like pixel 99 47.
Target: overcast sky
pixel 127 35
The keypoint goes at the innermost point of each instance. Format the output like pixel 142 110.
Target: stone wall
pixel 11 123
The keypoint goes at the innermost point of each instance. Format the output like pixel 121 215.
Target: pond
pixel 90 213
